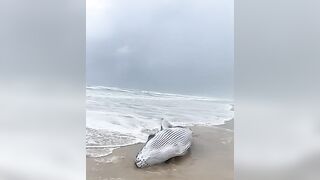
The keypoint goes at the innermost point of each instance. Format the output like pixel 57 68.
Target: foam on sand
pixel 118 117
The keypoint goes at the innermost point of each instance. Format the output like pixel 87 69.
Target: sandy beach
pixel 210 157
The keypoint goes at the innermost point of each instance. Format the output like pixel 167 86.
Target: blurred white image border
pixel 277 127
pixel 42 91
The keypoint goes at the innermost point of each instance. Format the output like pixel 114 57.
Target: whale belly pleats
pixel 177 139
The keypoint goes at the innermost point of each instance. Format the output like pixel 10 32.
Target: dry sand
pixel 210 158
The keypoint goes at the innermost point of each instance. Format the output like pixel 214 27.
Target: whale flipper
pixel 165 125
pixel 150 136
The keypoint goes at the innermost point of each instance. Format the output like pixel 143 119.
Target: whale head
pixel 147 157
pixel 141 160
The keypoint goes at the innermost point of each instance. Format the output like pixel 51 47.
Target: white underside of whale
pixel 166 144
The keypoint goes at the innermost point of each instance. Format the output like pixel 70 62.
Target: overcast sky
pixel 177 46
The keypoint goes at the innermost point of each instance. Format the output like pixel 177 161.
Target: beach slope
pixel 210 157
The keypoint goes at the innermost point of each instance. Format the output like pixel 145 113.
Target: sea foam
pixel 119 117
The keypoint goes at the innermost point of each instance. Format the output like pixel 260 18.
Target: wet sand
pixel 210 157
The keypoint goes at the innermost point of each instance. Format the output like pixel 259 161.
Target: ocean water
pixel 119 117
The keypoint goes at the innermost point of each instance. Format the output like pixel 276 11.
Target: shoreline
pixel 228 125
pixel 210 156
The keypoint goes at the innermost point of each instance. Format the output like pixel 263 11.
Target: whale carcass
pixel 169 142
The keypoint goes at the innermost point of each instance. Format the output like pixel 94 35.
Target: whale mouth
pixel 140 163
pixel 137 163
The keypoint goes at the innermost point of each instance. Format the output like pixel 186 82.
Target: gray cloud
pixel 171 46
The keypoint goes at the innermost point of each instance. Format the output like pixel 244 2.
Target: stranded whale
pixel 170 141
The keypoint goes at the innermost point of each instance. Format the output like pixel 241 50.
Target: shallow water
pixel 118 117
